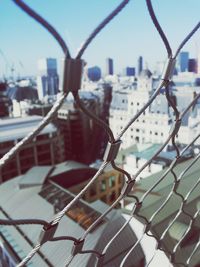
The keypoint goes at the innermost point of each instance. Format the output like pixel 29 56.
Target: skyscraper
pixel 47 80
pixel 183 60
pixel 140 64
pixel 94 73
pixel 192 65
pixel 130 71
pixel 109 66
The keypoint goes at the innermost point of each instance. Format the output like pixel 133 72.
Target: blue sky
pixel 129 35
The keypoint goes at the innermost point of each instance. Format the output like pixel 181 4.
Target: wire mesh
pixel 113 147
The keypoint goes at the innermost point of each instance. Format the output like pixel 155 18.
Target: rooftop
pixel 146 152
pixel 18 128
pixel 162 190
pixel 45 201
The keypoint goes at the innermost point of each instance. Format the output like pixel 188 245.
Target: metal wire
pixel 129 181
pixel 10 154
pixel 45 24
pixel 159 29
pixel 100 27
pixel 93 117
pixel 21 222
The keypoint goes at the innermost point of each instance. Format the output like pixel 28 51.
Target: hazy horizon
pixel 126 37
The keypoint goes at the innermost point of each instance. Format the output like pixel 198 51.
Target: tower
pixel 140 64
pixel 109 66
pixel 183 60
pixel 94 73
pixel 192 65
pixel 47 80
pixel 130 71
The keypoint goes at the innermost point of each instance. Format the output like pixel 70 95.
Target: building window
pixel 104 199
pixel 111 181
pixel 93 191
pixel 103 185
pixel 44 147
pixel 149 168
pixel 112 196
pixel 137 159
pixel 137 139
pixel 42 137
pixel 26 152
pixel 6 144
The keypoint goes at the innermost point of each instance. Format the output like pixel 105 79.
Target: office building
pixel 140 64
pixel 192 65
pixel 147 128
pixel 109 66
pixel 183 60
pixel 94 73
pixel 47 80
pixel 79 132
pixel 45 149
pixel 130 71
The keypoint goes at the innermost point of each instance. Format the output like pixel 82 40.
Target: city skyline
pixel 19 31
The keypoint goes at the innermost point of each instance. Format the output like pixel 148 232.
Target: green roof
pixel 148 152
pixel 159 194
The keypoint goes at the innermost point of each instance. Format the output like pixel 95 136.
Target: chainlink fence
pixel 72 83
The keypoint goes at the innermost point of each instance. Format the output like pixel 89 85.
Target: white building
pixel 152 126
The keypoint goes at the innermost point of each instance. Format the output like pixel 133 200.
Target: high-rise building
pixel 130 71
pixel 192 65
pixel 183 61
pixel 94 73
pixel 109 66
pixel 140 64
pixel 47 80
pixel 79 131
